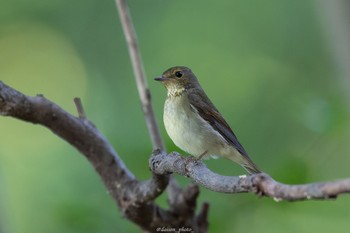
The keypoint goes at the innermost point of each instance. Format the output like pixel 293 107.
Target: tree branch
pixel 260 184
pixel 133 197
pixel 140 75
pixel 174 189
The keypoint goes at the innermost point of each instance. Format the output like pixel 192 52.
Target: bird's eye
pixel 178 74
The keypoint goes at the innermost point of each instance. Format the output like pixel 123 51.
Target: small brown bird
pixel 193 122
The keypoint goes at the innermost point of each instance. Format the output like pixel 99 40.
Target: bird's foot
pixel 193 159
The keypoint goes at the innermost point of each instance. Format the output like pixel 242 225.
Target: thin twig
pixel 80 108
pixel 141 83
pixel 140 76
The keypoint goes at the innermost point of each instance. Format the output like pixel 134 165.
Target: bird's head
pixel 177 80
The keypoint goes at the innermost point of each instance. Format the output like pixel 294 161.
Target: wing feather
pixel 208 112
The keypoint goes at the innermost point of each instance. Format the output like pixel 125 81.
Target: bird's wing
pixel 201 103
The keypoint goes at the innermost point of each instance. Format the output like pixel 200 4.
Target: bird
pixel 194 124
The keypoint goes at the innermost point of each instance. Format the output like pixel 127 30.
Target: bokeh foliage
pixel 265 64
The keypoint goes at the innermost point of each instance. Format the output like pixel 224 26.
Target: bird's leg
pixel 202 155
pixel 197 158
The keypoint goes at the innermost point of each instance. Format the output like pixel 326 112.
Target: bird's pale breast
pixel 189 131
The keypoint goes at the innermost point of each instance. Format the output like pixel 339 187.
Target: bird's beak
pixel 160 78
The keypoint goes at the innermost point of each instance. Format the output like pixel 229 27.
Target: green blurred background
pixel 277 70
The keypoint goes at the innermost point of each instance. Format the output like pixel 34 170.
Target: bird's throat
pixel 175 91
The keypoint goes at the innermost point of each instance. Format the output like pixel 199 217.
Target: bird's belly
pixel 189 131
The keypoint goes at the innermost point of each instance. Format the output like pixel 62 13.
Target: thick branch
pixel 261 184
pixel 134 198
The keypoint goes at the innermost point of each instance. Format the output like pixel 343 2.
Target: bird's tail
pixel 251 168
pixel 249 165
pixel 245 162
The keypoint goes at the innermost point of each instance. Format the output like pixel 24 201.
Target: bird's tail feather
pixel 246 163
pixel 251 168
